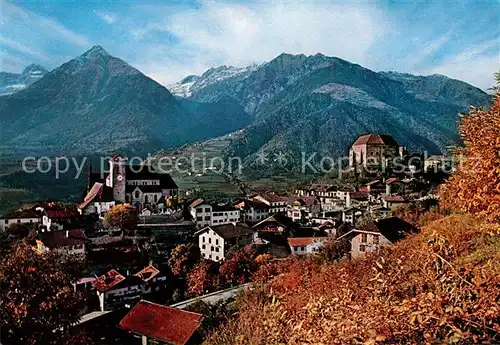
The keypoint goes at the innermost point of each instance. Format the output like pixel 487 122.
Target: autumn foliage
pixel 475 186
pixel 123 216
pixel 440 286
pixel 183 258
pixel 37 300
pixel 203 278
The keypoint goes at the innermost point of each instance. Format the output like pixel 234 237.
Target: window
pixel 207 209
pixel 362 247
pixel 375 239
pixel 364 238
pixel 209 240
pixel 199 219
pixel 302 248
pixel 217 249
pixel 19 221
pixel 217 258
pixel 217 242
pixel 212 248
pixel 203 239
pixel 202 246
pixel 207 217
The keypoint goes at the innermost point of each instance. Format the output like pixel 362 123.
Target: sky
pixel 168 40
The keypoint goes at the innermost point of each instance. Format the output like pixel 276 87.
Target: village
pixel 134 227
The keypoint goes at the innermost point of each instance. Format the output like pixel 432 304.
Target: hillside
pixel 321 104
pixel 440 286
pixel 97 103
pixel 13 82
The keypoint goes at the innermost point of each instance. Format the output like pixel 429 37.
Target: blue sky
pixel 168 40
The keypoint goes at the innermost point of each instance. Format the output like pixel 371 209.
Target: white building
pixel 303 209
pixel 379 233
pixel 205 214
pixel 215 241
pixel 19 217
pixel 306 245
pixel 253 210
pixel 276 203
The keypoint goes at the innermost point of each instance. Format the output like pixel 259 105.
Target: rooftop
pixel 375 139
pixel 394 198
pixel 108 281
pixel 166 324
pixel 148 273
pixel 304 241
pixel 227 231
pixel 22 214
pixel 56 239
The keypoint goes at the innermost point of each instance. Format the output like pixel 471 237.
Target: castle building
pixel 139 185
pixel 374 150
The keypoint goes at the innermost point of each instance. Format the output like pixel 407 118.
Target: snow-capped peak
pixel 186 86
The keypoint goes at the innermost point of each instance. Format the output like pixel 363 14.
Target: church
pixel 139 185
pixel 374 150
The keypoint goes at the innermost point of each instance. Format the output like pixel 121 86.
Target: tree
pixel 475 186
pixel 123 216
pixel 334 250
pixel 203 278
pixel 238 269
pixel 183 258
pixel 37 298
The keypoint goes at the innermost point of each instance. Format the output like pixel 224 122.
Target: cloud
pixel 30 37
pixel 470 66
pixel 428 50
pixel 22 48
pixel 108 17
pixel 35 25
pixel 235 34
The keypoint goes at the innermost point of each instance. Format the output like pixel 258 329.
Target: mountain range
pixel 321 104
pixel 97 103
pixel 13 82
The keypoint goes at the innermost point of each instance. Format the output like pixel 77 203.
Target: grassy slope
pixel 440 286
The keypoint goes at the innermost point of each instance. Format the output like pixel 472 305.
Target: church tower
pixel 117 178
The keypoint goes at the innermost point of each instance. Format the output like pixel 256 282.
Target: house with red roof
pixel 159 324
pixel 357 199
pixel 306 245
pixel 395 185
pixel 393 201
pixel 60 217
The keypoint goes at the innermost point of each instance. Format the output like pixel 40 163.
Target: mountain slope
pixel 13 82
pixel 321 104
pixel 97 103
